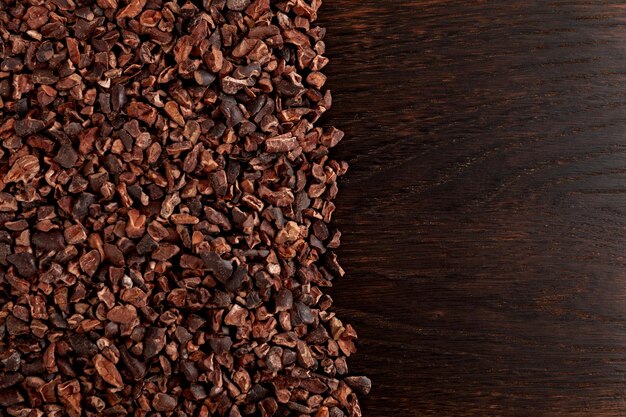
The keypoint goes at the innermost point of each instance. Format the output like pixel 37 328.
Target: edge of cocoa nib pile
pixel 165 207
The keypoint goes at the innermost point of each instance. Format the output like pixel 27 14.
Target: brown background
pixel 484 215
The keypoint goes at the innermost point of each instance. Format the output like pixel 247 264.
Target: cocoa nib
pixel 49 241
pixel 83 346
pixel 10 397
pixel 134 366
pixel 23 170
pixel 69 395
pixel 8 203
pixel 154 342
pixel 27 127
pixel 163 402
pixel 220 267
pixel 66 157
pixel 107 370
pixel 24 263
pixel 361 384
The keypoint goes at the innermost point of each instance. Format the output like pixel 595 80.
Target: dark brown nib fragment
pixel 165 200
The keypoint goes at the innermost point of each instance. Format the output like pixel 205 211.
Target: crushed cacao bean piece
pixel 107 370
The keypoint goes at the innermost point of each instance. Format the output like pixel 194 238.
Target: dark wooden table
pixel 484 215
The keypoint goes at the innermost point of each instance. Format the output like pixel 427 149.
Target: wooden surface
pixel 484 215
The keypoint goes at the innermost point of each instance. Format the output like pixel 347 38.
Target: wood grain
pixel 484 215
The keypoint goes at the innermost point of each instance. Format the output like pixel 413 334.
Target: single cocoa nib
pixel 8 203
pixel 11 64
pixel 135 227
pixel 49 241
pixel 165 251
pixel 83 346
pixel 5 250
pixel 303 313
pixel 172 110
pixel 107 4
pixel 132 9
pixel 114 255
pixel 12 362
pixel 142 111
pixel 134 367
pixel 361 384
pixel 107 370
pixel 75 234
pixel 220 267
pixel 237 5
pixel 69 395
pixel 66 157
pixel 203 77
pixel 280 198
pixel 113 164
pixel 282 143
pixel 24 263
pixel 166 195
pixel 146 245
pixel 23 170
pixel 182 335
pixel 122 314
pixel 220 183
pixel 16 327
pixel 89 262
pixel 231 111
pixel 10 396
pixel 26 127
pixel 45 52
pixel 220 344
pixel 189 370
pixel 163 402
pixel 81 206
pixel 169 204
pixel 118 97
pixel 232 85
pixel 283 300
pixel 198 392
pixel 154 342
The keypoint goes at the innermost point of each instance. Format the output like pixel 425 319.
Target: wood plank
pixel 484 215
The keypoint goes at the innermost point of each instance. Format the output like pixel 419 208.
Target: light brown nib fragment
pixel 23 170
pixel 107 370
pixel 132 10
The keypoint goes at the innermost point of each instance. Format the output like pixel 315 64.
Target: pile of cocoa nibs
pixel 164 205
